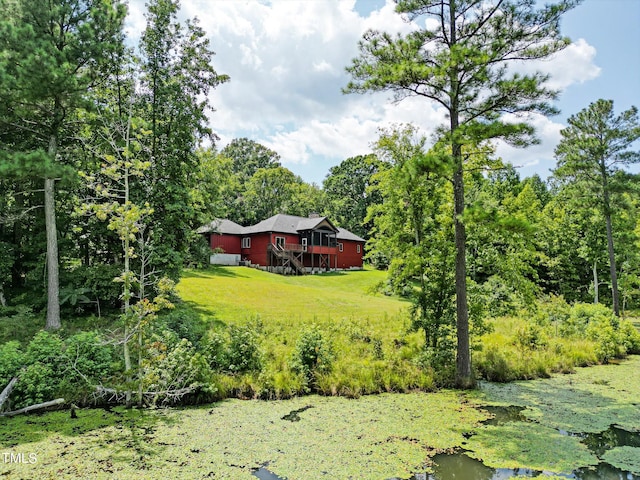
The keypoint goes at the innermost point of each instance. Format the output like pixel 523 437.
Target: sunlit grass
pixel 344 305
pixel 234 293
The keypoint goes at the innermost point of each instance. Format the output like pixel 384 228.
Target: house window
pixel 280 242
pixel 358 249
pixel 340 247
pixel 246 242
pixel 304 244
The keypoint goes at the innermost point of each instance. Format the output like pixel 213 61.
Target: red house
pixel 285 244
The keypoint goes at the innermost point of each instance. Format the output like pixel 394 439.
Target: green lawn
pixel 372 346
pixel 233 294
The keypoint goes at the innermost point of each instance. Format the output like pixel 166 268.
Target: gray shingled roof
pixel 287 224
pixel 347 235
pixel 222 225
pixel 279 223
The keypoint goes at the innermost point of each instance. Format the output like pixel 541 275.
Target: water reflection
pixel 459 466
pixel 502 415
pixel 613 437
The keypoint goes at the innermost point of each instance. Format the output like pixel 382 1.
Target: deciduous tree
pixel 348 193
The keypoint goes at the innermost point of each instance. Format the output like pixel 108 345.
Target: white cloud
pixel 287 59
pixel 572 65
pixel 538 157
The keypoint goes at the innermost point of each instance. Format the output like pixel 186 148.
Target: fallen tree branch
pixel 7 390
pixel 150 396
pixel 30 408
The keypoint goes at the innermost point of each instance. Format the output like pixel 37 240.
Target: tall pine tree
pixel 460 61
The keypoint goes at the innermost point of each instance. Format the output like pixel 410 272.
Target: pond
pixel 583 426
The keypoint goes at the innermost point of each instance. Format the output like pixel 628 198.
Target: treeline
pixel 76 100
pixel 526 238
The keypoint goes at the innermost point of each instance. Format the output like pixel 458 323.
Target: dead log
pixel 7 390
pixel 30 408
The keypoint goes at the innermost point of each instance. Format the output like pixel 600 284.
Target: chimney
pixel 314 215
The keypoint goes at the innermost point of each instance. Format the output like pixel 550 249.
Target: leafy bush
pixel 440 361
pixel 45 348
pixel 630 337
pixel 583 314
pixel 19 323
pixel 239 352
pixel 11 360
pixel 313 354
pixel 97 282
pixel 50 367
pixel 531 336
pixel 552 311
pixel 171 372
pixel 243 351
pixel 90 361
pixel 184 322
pixel 494 365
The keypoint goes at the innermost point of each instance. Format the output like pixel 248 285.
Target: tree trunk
pixel 612 266
pixel 7 391
pixel 464 377
pixel 30 408
pixel 53 276
pixel 3 301
pixel 612 258
pixel 595 282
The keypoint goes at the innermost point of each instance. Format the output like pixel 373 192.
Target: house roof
pixel 280 223
pixel 222 225
pixel 347 235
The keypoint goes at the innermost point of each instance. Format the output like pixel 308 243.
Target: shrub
pixel 440 361
pixel 607 340
pixel 98 280
pixel 90 362
pixel 583 314
pixel 171 372
pixel 19 323
pixel 43 373
pixel 11 360
pixel 45 348
pixel 552 310
pixel 239 352
pixel 38 383
pixel 630 337
pixel 50 367
pixel 243 352
pixel 531 336
pixel 494 366
pixel 313 354
pixel 184 322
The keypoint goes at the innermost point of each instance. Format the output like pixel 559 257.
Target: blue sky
pixel 286 59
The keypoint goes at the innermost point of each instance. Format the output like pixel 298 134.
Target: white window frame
pixel 358 249
pixel 246 242
pixel 284 240
pixel 340 247
pixel 304 244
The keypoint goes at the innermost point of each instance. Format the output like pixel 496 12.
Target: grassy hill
pixel 368 331
pixel 234 294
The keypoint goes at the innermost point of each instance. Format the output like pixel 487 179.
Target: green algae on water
pixel 624 458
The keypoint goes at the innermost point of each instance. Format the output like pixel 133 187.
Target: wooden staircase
pixel 288 257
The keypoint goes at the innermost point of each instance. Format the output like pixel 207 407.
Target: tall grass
pixel 369 348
